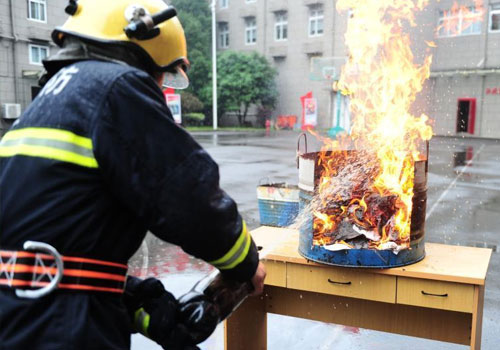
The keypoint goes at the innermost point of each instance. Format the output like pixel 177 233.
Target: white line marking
pixel 445 192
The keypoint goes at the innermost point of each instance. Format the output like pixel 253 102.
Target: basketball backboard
pixel 326 68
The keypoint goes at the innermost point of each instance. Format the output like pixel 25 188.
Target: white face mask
pixel 177 79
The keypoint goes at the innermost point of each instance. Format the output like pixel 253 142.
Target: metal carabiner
pixel 44 248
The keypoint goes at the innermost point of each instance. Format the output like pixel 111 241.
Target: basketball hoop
pixel 329 72
pixel 326 68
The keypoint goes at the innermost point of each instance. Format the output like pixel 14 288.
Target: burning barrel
pixel 347 220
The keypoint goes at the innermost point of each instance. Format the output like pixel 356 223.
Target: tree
pixel 195 17
pixel 190 103
pixel 245 79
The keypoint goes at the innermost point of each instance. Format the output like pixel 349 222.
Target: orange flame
pixel 383 81
pixel 460 18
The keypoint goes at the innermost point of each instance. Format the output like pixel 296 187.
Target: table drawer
pixel 276 273
pixel 342 281
pixel 435 294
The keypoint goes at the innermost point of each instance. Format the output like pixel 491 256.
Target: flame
pixel 370 190
pixel 459 18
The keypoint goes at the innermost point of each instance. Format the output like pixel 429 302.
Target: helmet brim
pixel 59 34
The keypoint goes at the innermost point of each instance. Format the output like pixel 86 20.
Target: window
pixel 459 22
pixel 37 10
pixel 223 35
pixel 281 26
pixel 249 1
pixel 316 20
pixel 224 4
pixel 495 18
pixel 38 53
pixel 250 31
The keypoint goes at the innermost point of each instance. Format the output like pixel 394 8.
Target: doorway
pixel 466 115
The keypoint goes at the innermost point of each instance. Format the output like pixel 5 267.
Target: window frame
pixel 281 26
pixel 460 20
pixel 39 47
pixel 315 18
pixel 494 11
pixel 250 31
pixel 38 3
pixel 223 4
pixel 223 36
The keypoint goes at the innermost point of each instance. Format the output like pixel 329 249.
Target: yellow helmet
pixel 149 26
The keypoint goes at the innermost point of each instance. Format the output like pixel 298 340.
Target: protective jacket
pixel 93 164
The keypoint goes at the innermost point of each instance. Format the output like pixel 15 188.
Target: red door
pixel 466 115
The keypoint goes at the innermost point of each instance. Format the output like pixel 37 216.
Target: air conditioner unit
pixel 11 110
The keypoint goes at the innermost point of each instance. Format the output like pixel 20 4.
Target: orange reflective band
pixel 94 261
pixel 21 283
pixel 90 288
pixel 29 269
pixel 23 254
pixel 93 274
pixel 19 268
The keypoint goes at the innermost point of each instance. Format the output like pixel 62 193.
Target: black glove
pixel 200 314
pixel 155 313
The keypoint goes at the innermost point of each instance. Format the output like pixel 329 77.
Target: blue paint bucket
pixel 278 204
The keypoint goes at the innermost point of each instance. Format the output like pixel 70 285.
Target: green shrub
pixel 190 103
pixel 193 119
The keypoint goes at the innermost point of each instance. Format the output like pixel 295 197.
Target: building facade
pixel 303 39
pixel 25 28
pixel 464 89
pixel 290 34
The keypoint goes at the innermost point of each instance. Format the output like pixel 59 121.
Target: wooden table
pixel 439 298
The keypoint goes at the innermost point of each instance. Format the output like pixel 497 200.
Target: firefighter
pixel 95 162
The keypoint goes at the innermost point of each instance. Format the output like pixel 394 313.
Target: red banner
pixel 303 99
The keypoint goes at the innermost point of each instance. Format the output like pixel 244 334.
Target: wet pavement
pixel 463 207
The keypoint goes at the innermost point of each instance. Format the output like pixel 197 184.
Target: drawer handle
pixel 342 283
pixel 435 295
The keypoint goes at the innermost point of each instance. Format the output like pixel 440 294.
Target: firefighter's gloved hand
pixel 155 313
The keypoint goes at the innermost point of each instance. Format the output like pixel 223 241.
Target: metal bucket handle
pixel 268 182
pixel 298 146
pixel 427 146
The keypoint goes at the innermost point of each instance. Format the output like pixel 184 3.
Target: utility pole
pixel 214 66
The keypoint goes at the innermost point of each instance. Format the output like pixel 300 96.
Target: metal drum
pixel 371 258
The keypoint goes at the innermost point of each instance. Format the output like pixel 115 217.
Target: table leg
pixel 246 329
pixel 477 318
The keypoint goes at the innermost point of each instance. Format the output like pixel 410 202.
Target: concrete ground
pixel 463 208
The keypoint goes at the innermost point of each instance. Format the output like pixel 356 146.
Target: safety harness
pixel 39 269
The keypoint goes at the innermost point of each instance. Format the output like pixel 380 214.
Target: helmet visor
pixel 176 79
